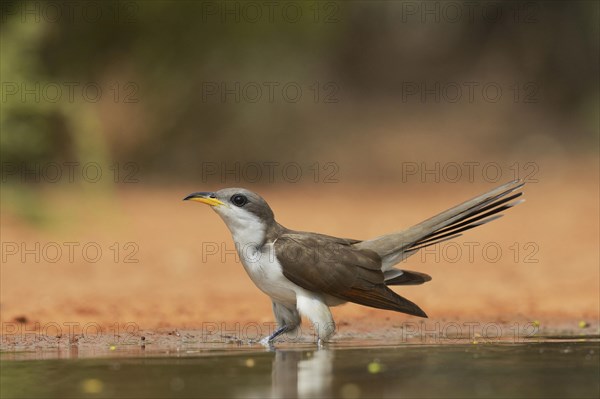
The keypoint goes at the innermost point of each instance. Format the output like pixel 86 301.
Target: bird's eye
pixel 239 200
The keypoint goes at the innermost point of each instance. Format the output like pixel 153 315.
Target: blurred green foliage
pixel 155 60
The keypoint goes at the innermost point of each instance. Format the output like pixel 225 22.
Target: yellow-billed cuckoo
pixel 305 273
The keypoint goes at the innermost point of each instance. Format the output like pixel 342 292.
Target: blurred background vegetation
pixel 155 63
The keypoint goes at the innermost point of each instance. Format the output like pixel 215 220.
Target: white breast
pixel 265 271
pixel 248 233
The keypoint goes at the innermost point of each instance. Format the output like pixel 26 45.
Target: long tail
pixel 395 247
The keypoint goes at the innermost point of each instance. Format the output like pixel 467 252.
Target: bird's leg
pixel 324 332
pixel 277 333
pixel 288 319
pixel 312 306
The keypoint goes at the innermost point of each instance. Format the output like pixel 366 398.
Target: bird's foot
pixel 322 344
pixel 268 341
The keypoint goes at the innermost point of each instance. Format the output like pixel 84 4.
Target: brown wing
pixel 333 266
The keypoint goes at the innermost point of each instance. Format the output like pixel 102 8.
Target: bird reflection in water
pixel 302 374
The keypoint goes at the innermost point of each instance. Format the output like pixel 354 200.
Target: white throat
pixel 245 227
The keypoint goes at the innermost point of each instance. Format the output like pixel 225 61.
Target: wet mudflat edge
pixel 560 368
pixel 41 345
pixel 179 349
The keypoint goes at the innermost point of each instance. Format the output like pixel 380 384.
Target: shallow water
pixel 538 369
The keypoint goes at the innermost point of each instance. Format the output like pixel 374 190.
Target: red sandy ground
pixel 553 279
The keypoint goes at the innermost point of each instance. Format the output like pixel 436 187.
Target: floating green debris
pixel 375 367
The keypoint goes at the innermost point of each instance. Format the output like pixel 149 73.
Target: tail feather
pixel 481 213
pixel 480 210
pixel 406 277
pixel 468 208
pixel 457 227
pixel 382 297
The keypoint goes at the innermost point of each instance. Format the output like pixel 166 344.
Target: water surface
pixel 538 369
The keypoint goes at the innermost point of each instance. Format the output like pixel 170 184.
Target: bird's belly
pixel 266 273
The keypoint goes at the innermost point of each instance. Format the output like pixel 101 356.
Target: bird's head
pixel 239 208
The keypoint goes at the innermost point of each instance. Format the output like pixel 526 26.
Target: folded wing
pixel 334 267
